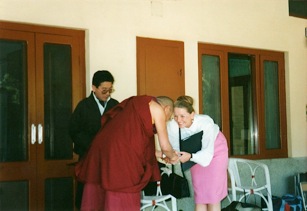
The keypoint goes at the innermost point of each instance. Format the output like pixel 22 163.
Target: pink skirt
pixel 210 182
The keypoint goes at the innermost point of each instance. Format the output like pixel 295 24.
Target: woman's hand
pixel 184 157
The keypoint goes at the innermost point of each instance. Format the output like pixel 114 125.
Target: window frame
pixel 260 56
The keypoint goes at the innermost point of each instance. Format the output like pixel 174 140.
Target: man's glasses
pixel 105 91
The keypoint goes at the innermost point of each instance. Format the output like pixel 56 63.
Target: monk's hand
pixel 175 158
pixel 159 154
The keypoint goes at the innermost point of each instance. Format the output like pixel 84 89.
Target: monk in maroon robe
pixel 121 160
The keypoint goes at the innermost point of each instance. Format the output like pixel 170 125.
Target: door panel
pixel 160 67
pixel 54 95
pixel 17 107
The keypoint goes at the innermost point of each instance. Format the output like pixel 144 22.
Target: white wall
pixel 112 27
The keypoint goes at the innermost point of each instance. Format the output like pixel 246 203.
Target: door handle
pixel 40 133
pixel 33 134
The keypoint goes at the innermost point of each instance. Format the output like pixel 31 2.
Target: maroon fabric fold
pixel 122 155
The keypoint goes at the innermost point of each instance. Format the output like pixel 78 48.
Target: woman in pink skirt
pixel 209 174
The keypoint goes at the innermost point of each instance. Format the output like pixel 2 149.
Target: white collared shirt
pixel 101 108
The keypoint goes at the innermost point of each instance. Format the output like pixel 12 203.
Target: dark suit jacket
pixel 85 122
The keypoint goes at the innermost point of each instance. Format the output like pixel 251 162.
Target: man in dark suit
pixel 86 118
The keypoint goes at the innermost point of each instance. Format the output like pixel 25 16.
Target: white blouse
pixel 210 132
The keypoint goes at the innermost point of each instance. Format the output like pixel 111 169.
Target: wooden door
pixel 54 93
pixel 40 80
pixel 160 67
pixel 17 112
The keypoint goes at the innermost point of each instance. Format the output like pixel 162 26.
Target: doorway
pixel 41 69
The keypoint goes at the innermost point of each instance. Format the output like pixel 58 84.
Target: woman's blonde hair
pixel 185 102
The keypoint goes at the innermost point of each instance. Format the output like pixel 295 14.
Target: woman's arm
pixel 210 132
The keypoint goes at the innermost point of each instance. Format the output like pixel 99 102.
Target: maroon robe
pixel 122 155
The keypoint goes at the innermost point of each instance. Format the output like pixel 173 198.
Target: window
pixel 243 90
pixel 298 8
